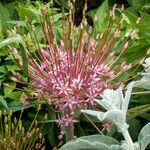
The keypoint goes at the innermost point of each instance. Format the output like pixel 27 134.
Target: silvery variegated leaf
pixel 137 146
pixel 145 80
pixel 113 99
pixel 126 99
pixel 93 142
pixel 112 96
pixel 118 118
pixel 94 113
pixel 106 104
pixel 144 136
pixel 125 146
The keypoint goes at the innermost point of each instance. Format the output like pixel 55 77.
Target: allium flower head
pixel 70 73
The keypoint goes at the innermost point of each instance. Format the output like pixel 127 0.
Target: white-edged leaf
pixel 98 114
pixel 93 142
pixel 118 118
pixel 106 104
pixel 126 100
pixel 144 136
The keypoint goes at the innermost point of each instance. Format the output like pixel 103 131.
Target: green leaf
pixel 102 15
pixel 17 39
pixel 8 90
pixel 136 111
pixel 137 4
pixel 16 106
pixel 4 16
pixel 144 136
pixel 3 69
pixel 14 95
pixel 93 142
pixel 51 134
pixel 134 128
pixel 3 103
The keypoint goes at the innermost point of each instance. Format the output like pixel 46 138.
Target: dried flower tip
pixel 81 26
pixel 90 30
pixel 95 18
pixel 126 44
pixel 85 22
pixel 15 120
pixel 43 140
pixel 85 7
pixel 117 33
pixel 33 27
pixel 14 30
pixel 26 18
pixel 37 130
pixel 40 135
pixel 37 146
pixel 122 20
pixel 36 122
pixel 122 7
pixel 6 119
pixel 148 52
pixel 110 13
pixel 97 36
pixel 12 126
pixel 29 135
pixel 46 117
pixel 14 79
pixel 141 62
pixel 112 54
pixel 24 99
pixel 138 20
pixel 6 85
pixel 134 34
pixel 17 24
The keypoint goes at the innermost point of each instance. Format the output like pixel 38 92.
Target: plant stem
pixel 70 132
pixel 128 139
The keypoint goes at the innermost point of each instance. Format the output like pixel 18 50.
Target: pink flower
pixel 70 75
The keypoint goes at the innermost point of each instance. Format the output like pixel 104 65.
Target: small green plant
pixel 14 136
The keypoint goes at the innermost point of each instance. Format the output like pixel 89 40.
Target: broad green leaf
pixel 50 135
pixel 4 16
pixel 3 69
pixel 8 90
pixel 144 136
pixel 3 103
pixel 93 142
pixel 17 39
pixel 137 4
pixel 134 128
pixel 27 10
pixel 102 15
pixel 14 95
